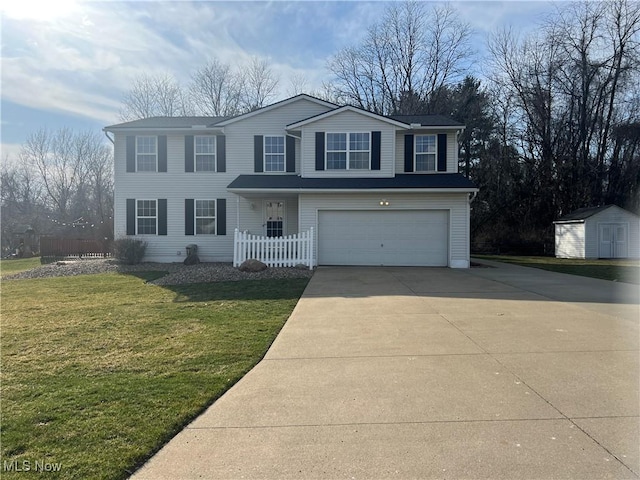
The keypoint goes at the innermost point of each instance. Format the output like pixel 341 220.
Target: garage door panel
pixel 392 237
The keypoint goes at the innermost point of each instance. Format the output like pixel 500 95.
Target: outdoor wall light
pixel 384 203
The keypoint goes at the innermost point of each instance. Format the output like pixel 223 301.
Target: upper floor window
pixel 274 154
pixel 205 214
pixel 205 153
pixel 348 151
pixel 146 217
pixel 146 154
pixel 425 153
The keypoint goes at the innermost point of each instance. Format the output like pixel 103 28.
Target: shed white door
pixel 612 240
pixel 391 237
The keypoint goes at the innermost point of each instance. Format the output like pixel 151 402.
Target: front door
pixel 274 218
pixel 613 240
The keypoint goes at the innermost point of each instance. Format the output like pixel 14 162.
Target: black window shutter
pixel 131 155
pixel 442 152
pixel 188 154
pixel 408 152
pixel 257 154
pixel 291 154
pixel 319 150
pixel 221 216
pixel 189 206
pixel 221 154
pixel 375 150
pixel 162 153
pixel 131 216
pixel 162 216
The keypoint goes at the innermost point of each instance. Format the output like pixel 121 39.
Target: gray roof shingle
pixel 427 120
pixel 169 122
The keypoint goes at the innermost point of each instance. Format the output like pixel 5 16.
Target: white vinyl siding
pixel 179 185
pixel 348 121
pixel 457 204
pixel 205 153
pixel 569 240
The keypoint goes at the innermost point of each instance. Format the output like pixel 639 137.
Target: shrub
pixel 129 251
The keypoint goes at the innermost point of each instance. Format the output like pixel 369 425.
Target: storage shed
pixel 598 232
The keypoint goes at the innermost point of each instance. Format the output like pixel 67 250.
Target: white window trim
pixel 137 216
pixel 215 154
pixel 348 151
pixel 264 154
pixel 195 216
pixel 415 153
pixel 155 137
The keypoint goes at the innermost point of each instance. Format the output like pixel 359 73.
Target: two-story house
pixel 376 190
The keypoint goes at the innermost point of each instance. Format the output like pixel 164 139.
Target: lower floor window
pixel 146 217
pixel 205 217
pixel 275 219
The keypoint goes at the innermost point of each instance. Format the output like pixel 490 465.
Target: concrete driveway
pixel 495 373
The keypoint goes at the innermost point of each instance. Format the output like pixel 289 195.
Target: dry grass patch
pixel 617 270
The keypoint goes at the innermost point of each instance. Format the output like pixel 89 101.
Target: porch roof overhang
pixel 404 183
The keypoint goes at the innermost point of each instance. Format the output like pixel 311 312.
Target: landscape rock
pixel 176 273
pixel 252 265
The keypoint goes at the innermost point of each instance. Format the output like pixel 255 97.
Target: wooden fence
pixel 52 248
pixel 286 251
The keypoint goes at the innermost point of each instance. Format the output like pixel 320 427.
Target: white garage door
pixel 392 237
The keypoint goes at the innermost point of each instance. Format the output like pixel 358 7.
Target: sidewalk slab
pixel 335 391
pixel 582 384
pixel 513 450
pixel 370 335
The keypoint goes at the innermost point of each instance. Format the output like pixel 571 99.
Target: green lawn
pixel 99 371
pixel 8 267
pixel 627 271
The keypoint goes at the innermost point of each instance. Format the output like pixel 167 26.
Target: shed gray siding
pixel 612 215
pixel 569 240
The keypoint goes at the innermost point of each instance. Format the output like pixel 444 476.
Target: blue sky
pixel 70 62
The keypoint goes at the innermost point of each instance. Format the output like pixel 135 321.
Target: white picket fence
pixel 286 251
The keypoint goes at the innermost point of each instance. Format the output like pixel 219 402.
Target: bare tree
pixel 298 84
pixel 404 60
pixel 216 90
pixel 259 84
pixel 570 85
pixel 154 95
pixel 75 171
pixel 21 200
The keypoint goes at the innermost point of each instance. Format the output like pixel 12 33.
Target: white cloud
pixel 9 152
pixel 81 58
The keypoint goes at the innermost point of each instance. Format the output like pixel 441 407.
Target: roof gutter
pixel 568 221
pixel 352 190
pixel 163 129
